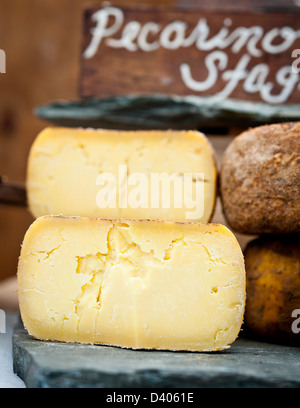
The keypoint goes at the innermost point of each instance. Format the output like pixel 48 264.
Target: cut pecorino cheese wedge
pixel 132 283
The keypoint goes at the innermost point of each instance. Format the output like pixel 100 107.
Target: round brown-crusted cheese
pixel 273 288
pixel 260 180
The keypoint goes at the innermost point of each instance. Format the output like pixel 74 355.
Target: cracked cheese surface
pixel 134 284
pixel 64 165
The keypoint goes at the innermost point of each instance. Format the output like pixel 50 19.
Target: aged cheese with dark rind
pixel 260 180
pixel 134 284
pixel 273 288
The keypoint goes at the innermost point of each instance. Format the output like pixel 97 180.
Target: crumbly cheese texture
pixel 134 284
pixel 64 165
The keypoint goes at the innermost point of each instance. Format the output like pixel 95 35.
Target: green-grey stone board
pixel 59 365
pixel 164 112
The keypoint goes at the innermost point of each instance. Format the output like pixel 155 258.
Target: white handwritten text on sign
pixel 186 54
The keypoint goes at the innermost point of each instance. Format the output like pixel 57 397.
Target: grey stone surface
pixel 164 112
pixel 245 364
pixel 7 378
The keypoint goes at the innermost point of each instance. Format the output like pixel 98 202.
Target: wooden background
pixel 42 40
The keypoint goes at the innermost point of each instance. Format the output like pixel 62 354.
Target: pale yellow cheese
pixel 64 165
pixel 134 284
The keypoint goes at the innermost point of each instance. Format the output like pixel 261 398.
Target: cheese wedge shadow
pixel 110 174
pixel 132 283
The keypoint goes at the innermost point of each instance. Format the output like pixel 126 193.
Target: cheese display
pixel 273 288
pixel 260 180
pixel 165 175
pixel 132 283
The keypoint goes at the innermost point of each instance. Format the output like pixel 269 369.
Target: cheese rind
pixel 134 284
pixel 259 180
pixel 65 165
pixel 273 288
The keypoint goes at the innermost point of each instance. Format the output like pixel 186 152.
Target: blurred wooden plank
pixel 12 193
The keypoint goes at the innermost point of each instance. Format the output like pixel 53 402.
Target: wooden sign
pixel 242 55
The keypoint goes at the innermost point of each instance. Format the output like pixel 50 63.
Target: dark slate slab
pixel 164 112
pixel 245 364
